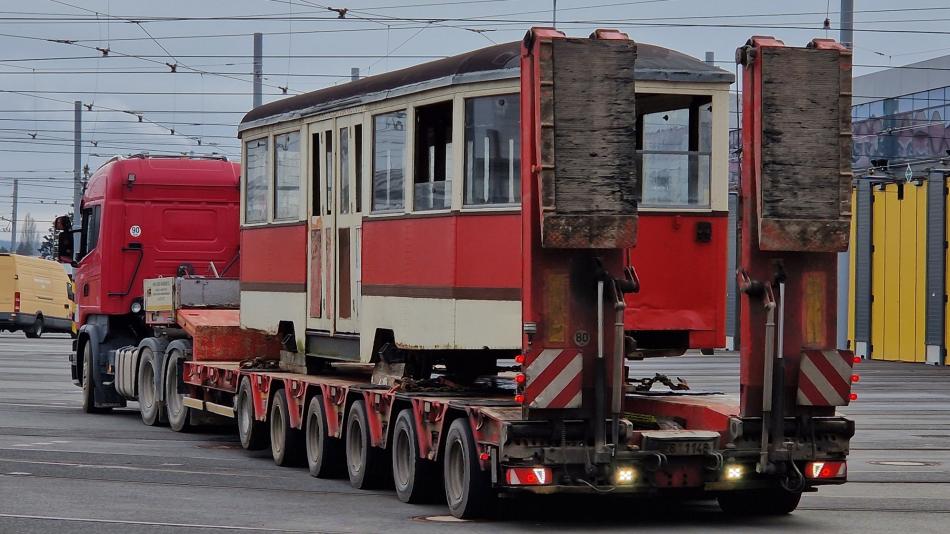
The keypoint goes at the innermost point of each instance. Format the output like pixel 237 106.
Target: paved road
pixel 63 471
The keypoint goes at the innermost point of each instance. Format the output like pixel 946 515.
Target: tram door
pixel 333 287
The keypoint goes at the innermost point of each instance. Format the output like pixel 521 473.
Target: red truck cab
pixel 146 216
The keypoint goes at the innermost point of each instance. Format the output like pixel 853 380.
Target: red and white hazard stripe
pixel 824 378
pixel 553 378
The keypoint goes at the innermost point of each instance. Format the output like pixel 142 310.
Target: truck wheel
pixel 88 383
pixel 36 330
pixel 366 465
pixel 468 490
pixel 286 442
pixel 178 414
pixel 253 433
pixel 763 502
pixel 324 453
pixel 149 405
pixel 414 477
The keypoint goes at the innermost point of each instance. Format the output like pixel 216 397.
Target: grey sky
pixel 373 28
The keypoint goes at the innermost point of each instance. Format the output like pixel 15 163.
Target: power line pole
pixel 77 170
pixel 258 68
pixel 13 220
pixel 554 15
pixel 354 74
pixel 847 23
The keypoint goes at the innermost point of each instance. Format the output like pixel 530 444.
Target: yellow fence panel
pixel 920 347
pixel 878 253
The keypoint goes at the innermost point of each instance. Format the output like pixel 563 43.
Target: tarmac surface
pixel 65 471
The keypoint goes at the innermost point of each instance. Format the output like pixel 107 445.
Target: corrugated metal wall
pixel 891 284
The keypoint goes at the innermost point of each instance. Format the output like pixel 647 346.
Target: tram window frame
pixel 683 166
pixel 476 128
pixel 395 185
pixel 433 165
pixel 262 194
pixel 287 186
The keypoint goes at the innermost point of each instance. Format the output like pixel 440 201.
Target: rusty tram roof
pixel 496 62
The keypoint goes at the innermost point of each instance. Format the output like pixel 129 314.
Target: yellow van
pixel 35 296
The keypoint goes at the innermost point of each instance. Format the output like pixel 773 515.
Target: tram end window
pixel 315 170
pixel 287 176
pixel 255 181
pixel 675 150
pixel 492 151
pixel 432 180
pixel 389 148
pixel 344 169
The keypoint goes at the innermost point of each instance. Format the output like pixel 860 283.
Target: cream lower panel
pixel 263 310
pixel 441 323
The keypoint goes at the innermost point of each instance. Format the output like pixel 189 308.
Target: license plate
pixel 684 448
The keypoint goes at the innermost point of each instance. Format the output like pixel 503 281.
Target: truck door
pixel 348 190
pixel 320 280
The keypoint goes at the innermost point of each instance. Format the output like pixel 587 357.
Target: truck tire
pixel 468 490
pixel 414 477
pixel 366 466
pixel 149 405
pixel 179 415
pixel 89 383
pixel 324 453
pixel 286 442
pixel 762 502
pixel 253 433
pixel 36 330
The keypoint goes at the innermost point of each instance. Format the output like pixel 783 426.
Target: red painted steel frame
pixel 811 288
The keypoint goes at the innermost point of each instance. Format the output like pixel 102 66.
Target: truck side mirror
pixel 64 247
pixel 63 223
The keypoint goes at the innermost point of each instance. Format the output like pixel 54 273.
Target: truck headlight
pixel 136 306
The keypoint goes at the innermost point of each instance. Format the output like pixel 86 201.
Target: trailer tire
pixel 367 466
pixel 762 502
pixel 179 415
pixel 149 406
pixel 324 452
pixel 468 490
pixel 286 442
pixel 414 477
pixel 253 433
pixel 89 383
pixel 36 330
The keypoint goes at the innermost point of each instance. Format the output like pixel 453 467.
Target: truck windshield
pixel 90 230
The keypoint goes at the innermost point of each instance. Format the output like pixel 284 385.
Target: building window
pixel 675 150
pixel 389 147
pixel 344 170
pixel 433 157
pixel 287 176
pixel 255 182
pixel 492 150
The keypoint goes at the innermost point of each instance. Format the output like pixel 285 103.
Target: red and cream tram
pixel 386 211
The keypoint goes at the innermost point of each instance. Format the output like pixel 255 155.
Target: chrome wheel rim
pixel 455 481
pixel 402 452
pixel 354 446
pixel 314 435
pixel 147 387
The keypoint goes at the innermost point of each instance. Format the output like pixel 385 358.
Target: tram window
pixel 389 147
pixel 676 150
pixel 344 170
pixel 255 182
pixel 315 165
pixel 432 182
pixel 287 176
pixel 328 165
pixel 358 142
pixel 492 150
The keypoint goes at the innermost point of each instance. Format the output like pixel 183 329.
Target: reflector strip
pixel 820 470
pixel 824 378
pixel 553 379
pixel 528 476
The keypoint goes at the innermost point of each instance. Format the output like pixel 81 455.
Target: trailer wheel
pixel 286 442
pixel 468 490
pixel 178 414
pixel 414 477
pixel 88 383
pixel 324 453
pixel 149 405
pixel 763 502
pixel 36 330
pixel 366 465
pixel 253 433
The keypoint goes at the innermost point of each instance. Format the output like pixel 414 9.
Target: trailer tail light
pixel 16 302
pixel 528 476
pixel 825 470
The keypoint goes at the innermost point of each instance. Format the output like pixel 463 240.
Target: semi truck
pixel 467 341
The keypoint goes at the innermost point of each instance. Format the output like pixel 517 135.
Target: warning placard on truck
pixel 160 294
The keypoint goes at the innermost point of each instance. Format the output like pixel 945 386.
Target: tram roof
pixel 497 62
